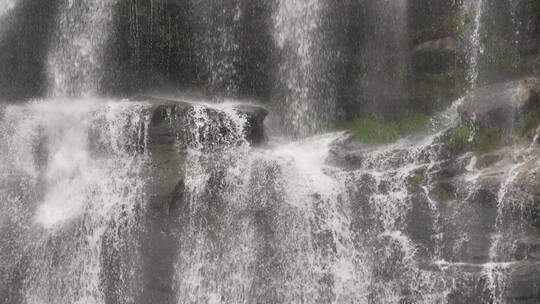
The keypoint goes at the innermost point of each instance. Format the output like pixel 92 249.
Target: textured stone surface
pixel 169 135
pixel 500 104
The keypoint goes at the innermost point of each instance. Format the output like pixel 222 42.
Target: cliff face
pixel 473 207
pixel 433 197
pixel 376 58
pixel 24 36
pixel 453 216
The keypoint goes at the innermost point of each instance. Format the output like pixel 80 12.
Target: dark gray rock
pixel 536 66
pixel 255 122
pixel 435 55
pixel 174 118
pixel 502 104
pixel 170 132
pixel 524 284
pixel 447 45
pixel 528 248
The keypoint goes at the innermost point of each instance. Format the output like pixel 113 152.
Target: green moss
pixel 416 179
pixel 487 140
pixel 482 141
pixel 529 122
pixel 461 137
pixel 443 194
pixel 533 6
pixel 413 123
pixel 369 131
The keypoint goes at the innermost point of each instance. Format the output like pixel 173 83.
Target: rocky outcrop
pixel 170 132
pixel 502 104
pixel 479 210
pixel 434 56
pixel 523 287
pixel 166 111
pixel 447 45
pixel 536 65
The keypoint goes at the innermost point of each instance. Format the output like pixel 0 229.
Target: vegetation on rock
pixel 370 131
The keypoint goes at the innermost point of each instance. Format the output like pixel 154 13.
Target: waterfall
pixel 269 223
pixel 300 35
pixel 71 193
pixel 76 56
pixel 216 46
pixel 384 56
pixel 473 9
pixel 6 6
pixel 153 200
pixel 280 224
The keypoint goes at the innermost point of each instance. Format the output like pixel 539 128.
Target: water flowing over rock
pixel 306 84
pixel 6 6
pixel 96 157
pixel 501 104
pixel 252 151
pixel 72 197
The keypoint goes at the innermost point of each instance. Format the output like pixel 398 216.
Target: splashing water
pixel 71 192
pixel 280 224
pixel 6 6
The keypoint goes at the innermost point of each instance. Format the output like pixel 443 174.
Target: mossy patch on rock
pixel 461 138
pixel 371 131
pixel 443 193
pixel 487 140
pixel 416 180
pixel 529 122
pixel 465 138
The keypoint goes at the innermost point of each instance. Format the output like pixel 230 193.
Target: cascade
pixel 488 26
pixel 71 194
pixel 474 9
pixel 299 34
pixel 384 57
pixel 6 6
pixel 154 200
pixel 304 229
pixel 507 226
pixel 76 58
pixel 216 45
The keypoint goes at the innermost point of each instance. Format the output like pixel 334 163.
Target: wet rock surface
pixel 478 212
pixel 170 134
pixel 501 104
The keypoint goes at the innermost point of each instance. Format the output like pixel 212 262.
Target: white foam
pixel 6 6
pixel 82 157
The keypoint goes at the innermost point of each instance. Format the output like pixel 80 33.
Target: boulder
pixel 447 45
pixel 527 248
pixel 164 110
pixel 255 122
pixel 171 130
pixel 523 285
pixel 501 104
pixel 435 55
